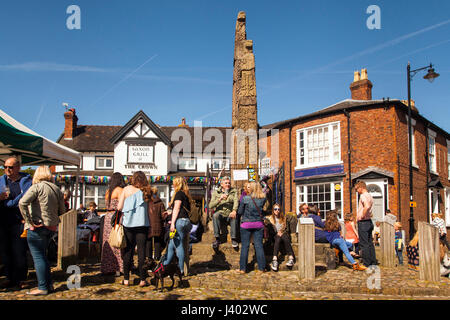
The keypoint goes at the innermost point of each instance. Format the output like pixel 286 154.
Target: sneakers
pixel 290 262
pixel 274 265
pixel 357 267
pixel 234 244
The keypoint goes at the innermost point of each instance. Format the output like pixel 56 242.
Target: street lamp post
pixel 430 76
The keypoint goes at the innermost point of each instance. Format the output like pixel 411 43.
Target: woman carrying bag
pixel 47 203
pixel 252 224
pixel 135 225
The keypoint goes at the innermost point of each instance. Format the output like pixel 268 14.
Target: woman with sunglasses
pixel 280 225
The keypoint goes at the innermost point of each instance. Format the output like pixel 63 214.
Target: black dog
pixel 160 272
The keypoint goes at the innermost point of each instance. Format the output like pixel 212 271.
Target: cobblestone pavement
pixel 203 283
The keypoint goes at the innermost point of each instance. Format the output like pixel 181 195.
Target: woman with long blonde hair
pixel 252 224
pixel 47 204
pixel 180 223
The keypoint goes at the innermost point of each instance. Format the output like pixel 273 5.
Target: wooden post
pixel 306 249
pixel 429 264
pixel 67 240
pixel 387 244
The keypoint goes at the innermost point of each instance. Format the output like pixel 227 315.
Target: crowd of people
pixel 31 207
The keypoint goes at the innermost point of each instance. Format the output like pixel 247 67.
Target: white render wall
pixel 161 152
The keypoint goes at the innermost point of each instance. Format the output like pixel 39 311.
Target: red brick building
pixel 324 153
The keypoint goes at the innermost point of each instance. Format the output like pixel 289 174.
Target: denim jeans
pixel 13 252
pixel 365 228
pixel 258 235
pixel 38 241
pixel 219 220
pixel 183 227
pixel 344 246
pixel 399 254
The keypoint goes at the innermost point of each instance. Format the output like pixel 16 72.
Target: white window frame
pixel 413 141
pixel 448 159
pixel 447 206
pixel 432 164
pixel 98 167
pixel 331 148
pixel 95 198
pixel 191 168
pixel 264 166
pixel 302 190
pixel 221 161
pixel 163 193
pixel 433 194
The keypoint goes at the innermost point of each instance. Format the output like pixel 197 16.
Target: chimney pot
pixel 361 87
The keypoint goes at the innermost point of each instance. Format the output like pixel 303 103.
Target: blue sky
pixel 174 59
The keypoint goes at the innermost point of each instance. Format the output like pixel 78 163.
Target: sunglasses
pixel 9 167
pixel 276 209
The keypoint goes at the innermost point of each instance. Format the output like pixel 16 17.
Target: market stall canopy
pixel 34 149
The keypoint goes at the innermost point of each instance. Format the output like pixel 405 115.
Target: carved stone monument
pixel 244 114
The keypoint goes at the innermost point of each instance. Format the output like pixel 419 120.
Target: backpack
pixel 195 214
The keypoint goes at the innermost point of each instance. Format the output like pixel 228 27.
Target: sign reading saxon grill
pixel 140 154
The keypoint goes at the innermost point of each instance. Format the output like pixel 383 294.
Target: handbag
pixel 117 236
pixel 266 229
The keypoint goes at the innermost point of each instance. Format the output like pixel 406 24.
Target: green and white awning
pixel 34 149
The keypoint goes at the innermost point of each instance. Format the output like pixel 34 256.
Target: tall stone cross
pixel 244 114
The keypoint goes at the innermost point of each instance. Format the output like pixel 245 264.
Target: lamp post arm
pixel 413 72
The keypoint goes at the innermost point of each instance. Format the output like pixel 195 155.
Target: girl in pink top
pixel 351 234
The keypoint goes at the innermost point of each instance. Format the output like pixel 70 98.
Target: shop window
pixel 327 196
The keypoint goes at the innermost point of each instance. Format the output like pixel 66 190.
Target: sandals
pixel 37 292
pixel 125 284
pixel 143 284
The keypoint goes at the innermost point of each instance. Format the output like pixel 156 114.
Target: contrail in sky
pixel 124 79
pixel 368 51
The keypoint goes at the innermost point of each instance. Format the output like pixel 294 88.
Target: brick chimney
pixel 70 124
pixel 361 87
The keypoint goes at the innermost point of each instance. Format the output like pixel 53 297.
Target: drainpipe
pixel 349 155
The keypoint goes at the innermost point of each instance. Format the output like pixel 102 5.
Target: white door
pixel 378 202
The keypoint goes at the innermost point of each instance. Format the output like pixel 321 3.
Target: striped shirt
pixel 439 223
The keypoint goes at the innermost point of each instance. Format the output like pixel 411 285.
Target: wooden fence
pixel 67 240
pixel 429 264
pixel 387 244
pixel 306 251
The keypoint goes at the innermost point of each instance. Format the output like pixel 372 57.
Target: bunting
pixel 103 180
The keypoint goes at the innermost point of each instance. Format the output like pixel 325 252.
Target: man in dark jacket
pixel 13 249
